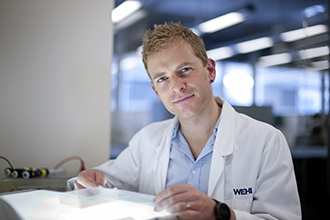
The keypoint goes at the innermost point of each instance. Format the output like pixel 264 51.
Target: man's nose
pixel 178 84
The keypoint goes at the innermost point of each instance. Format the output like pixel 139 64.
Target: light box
pixel 101 203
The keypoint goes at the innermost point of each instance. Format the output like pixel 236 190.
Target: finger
pixel 86 183
pixel 170 191
pixel 178 202
pixel 87 179
pixel 175 199
pixel 77 185
pixel 180 207
pixel 100 179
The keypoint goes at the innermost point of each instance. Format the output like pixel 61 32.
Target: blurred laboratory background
pixel 61 102
pixel 272 64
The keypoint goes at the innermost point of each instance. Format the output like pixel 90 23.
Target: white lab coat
pixel 251 168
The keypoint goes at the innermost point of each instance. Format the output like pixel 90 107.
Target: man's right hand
pixel 90 179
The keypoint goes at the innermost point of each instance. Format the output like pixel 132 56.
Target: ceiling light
pixel 254 45
pixel 124 10
pixel 220 53
pixel 314 52
pixel 320 65
pixel 221 22
pixel 135 17
pixel 314 10
pixel 303 33
pixel 276 59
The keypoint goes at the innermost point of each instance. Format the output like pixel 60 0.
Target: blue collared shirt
pixel 183 168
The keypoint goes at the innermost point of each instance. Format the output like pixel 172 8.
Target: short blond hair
pixel 163 35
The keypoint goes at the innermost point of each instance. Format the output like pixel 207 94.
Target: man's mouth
pixel 183 99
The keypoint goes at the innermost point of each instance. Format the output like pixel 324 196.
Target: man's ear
pixel 153 88
pixel 210 66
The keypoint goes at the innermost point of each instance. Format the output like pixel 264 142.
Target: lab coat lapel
pixel 162 159
pixel 223 147
pixel 217 166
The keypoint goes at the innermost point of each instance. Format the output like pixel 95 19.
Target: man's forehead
pixel 176 47
pixel 174 43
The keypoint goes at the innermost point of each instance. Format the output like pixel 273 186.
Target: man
pixel 208 162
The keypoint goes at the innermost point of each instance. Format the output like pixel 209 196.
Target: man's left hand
pixel 187 201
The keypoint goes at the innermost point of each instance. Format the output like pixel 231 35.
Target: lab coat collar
pixel 224 142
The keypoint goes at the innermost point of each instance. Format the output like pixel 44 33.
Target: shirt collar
pixel 175 129
pixel 216 128
pixel 177 126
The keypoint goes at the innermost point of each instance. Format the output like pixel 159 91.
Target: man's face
pixel 180 80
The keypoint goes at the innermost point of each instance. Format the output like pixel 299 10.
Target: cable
pixel 71 158
pixel 11 171
pixel 11 166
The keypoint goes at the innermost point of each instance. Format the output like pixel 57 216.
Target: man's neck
pixel 197 131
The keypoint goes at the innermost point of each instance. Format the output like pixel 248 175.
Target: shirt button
pixel 194 172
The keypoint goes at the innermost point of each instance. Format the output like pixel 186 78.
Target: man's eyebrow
pixel 157 75
pixel 184 64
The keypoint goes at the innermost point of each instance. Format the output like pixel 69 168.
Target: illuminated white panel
pixel 124 10
pixel 102 203
pixel 238 81
pixel 276 59
pixel 221 22
pixel 314 10
pixel 254 45
pixel 220 53
pixel 314 52
pixel 303 33
pixel 320 65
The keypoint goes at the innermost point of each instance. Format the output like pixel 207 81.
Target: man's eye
pixel 185 70
pixel 161 79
